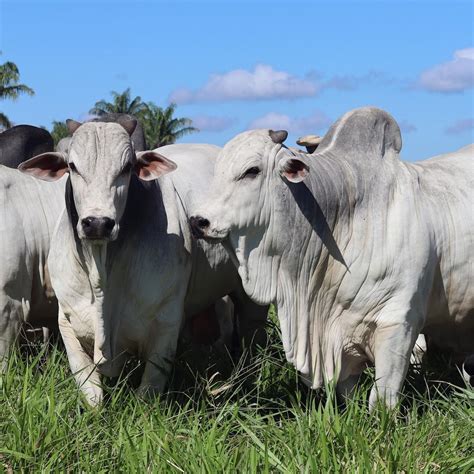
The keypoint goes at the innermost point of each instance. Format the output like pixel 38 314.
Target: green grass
pixel 261 419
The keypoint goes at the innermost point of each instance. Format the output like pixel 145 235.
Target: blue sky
pixel 235 65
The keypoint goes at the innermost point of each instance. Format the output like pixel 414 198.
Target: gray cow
pixel 358 250
pixel 123 263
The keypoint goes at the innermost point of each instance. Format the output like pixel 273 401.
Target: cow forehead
pixel 94 139
pixel 243 148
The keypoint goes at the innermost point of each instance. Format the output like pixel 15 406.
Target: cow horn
pixel 309 140
pixel 128 124
pixel 72 125
pixel 278 136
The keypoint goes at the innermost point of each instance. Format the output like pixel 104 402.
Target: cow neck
pixel 309 266
pixel 93 258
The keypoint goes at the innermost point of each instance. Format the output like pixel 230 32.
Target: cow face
pixel 246 196
pixel 100 162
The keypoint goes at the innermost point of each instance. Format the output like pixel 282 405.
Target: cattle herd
pixel 120 247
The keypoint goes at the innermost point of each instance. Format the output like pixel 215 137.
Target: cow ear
pixel 293 169
pixel 151 165
pixel 49 166
pixel 72 126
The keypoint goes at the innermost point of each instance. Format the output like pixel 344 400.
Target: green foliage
pixel 261 419
pixel 160 125
pixel 10 87
pixel 122 103
pixel 162 128
pixel 59 131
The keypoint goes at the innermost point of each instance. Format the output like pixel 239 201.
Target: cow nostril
pixel 87 222
pixel 202 222
pixel 109 224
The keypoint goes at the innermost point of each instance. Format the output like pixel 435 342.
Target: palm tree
pixel 9 87
pixel 161 128
pixel 121 104
pixel 59 131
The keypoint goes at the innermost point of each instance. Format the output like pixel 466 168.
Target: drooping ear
pixel 151 165
pixel 293 169
pixel 49 166
pixel 72 126
pixel 128 124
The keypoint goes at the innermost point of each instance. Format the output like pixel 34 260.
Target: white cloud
pixel 353 82
pixel 461 126
pixel 263 82
pixel 266 83
pixel 456 75
pixel 302 125
pixel 210 123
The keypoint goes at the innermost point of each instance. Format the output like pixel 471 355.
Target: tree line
pixel 160 124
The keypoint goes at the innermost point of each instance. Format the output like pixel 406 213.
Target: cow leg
pixel 393 346
pixel 10 324
pixel 160 350
pixel 82 366
pixel 251 319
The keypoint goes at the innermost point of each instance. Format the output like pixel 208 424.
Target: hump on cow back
pixel 364 133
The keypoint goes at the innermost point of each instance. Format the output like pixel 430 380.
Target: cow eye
pixel 72 167
pixel 251 172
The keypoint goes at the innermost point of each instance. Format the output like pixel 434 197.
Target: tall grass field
pixel 260 418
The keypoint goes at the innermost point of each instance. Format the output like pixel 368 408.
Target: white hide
pixel 360 255
pixel 28 212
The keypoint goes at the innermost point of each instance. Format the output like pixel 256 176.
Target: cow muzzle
pixel 202 228
pixel 98 228
pixel 199 226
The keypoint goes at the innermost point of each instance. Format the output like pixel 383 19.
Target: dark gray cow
pixel 20 143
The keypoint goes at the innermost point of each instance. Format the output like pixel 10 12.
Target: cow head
pixel 100 161
pixel 250 170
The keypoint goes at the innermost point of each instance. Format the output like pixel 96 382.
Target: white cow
pixel 358 250
pixel 29 210
pixel 123 264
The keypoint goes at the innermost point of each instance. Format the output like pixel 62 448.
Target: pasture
pixel 260 419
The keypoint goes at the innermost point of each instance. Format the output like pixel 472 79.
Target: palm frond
pixel 4 121
pixel 9 87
